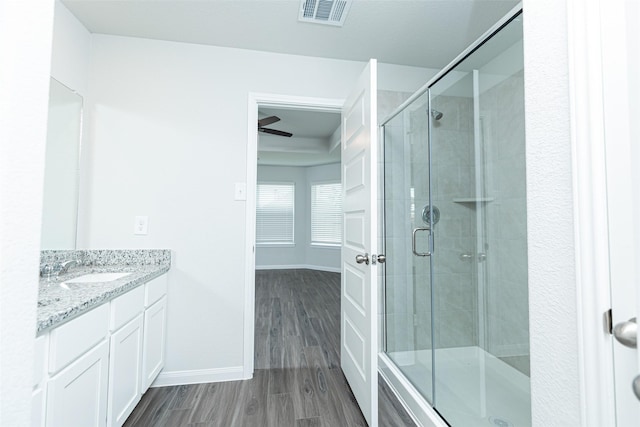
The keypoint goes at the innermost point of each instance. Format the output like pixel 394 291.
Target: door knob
pixel 636 386
pixel 362 258
pixel 627 333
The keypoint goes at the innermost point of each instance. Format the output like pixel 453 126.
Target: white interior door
pixel 359 336
pixel 621 76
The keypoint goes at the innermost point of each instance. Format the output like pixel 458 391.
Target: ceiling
pixel 424 33
pixel 311 143
pixel 303 123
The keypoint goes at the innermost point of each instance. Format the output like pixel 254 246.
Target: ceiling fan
pixel 270 120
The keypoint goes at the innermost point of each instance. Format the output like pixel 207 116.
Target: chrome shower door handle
pixel 627 333
pixel 414 245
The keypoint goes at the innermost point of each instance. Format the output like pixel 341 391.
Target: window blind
pixel 326 214
pixel 275 213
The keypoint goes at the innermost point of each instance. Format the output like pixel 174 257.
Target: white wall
pixel 70 57
pixel 25 55
pixel 168 140
pixel 302 255
pixel 71 50
pixel 555 382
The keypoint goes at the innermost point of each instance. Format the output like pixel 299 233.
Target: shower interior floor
pixel 473 387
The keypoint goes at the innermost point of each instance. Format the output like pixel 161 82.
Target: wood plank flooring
pixel 297 380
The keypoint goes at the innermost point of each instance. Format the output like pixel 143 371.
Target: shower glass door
pixel 456 314
pixel 479 262
pixel 408 320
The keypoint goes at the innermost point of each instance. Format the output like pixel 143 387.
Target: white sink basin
pixel 97 278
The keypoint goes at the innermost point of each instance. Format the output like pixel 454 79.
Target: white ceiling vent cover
pixel 328 12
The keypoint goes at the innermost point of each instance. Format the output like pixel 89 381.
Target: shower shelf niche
pixel 472 199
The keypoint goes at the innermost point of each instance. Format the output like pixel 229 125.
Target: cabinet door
pixel 37 407
pixel 77 396
pixel 155 321
pixel 39 381
pixel 125 370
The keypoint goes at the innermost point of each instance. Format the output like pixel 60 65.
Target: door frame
pixel 589 49
pixel 255 101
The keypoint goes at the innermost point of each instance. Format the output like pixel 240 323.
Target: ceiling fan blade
pixel 275 132
pixel 268 120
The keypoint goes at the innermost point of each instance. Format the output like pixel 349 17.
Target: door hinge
pixel 608 322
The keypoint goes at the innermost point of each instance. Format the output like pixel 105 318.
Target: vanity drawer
pixel 72 339
pixel 126 307
pixel 155 289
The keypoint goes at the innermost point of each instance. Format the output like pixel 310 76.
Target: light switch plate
pixel 241 191
pixel 141 226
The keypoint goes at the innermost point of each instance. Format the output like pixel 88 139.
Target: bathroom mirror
pixel 61 177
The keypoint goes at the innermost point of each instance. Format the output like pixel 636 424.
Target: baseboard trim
pixel 298 267
pixel 166 379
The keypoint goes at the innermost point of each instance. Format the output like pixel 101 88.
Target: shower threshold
pixel 473 387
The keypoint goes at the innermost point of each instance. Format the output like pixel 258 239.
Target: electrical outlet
pixel 141 225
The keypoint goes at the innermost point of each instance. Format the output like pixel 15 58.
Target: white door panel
pixel 359 334
pixel 621 76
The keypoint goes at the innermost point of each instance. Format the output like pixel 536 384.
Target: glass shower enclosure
pixel 455 279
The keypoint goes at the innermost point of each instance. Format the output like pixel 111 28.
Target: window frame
pixel 278 244
pixel 325 244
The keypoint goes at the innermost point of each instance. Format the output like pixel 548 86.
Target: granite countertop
pixel 57 304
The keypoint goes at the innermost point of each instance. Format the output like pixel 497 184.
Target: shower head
pixel 437 115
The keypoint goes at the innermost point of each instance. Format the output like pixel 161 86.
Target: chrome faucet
pixel 57 268
pixel 64 266
pixel 46 271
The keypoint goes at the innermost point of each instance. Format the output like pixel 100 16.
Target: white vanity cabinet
pixel 93 370
pixel 77 396
pixel 155 325
pixel 77 371
pixel 38 403
pixel 125 355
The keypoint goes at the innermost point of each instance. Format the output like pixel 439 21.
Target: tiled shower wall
pixel 493 229
pixel 500 324
pixel 490 311
pixel 407 194
pixel 507 302
pixel 455 287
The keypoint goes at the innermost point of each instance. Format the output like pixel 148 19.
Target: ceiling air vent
pixel 328 12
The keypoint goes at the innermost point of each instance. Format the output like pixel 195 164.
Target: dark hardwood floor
pixel 297 380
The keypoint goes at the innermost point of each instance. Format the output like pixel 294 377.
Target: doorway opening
pixel 296 201
pixel 298 239
pixel 293 173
